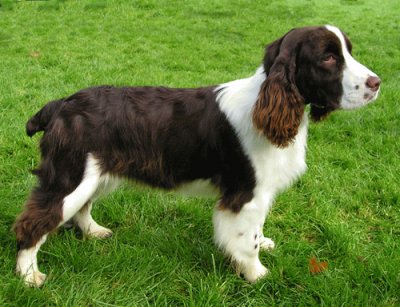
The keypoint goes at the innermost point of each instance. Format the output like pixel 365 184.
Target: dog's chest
pixel 277 168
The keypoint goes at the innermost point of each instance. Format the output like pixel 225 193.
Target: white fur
pixel 86 189
pixel 240 235
pixel 107 184
pixel 27 258
pixel 355 91
pixel 27 265
pixel 267 244
pixel 276 168
pixel 88 225
pixel 92 185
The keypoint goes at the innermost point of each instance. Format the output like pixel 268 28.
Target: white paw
pixel 267 244
pixel 27 267
pixel 253 273
pixel 38 279
pixel 99 232
pixel 33 278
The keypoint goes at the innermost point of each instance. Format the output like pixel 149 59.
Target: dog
pixel 245 138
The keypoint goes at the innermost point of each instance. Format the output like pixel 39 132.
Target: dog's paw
pixel 33 278
pixel 267 244
pixel 254 272
pixel 99 232
pixel 38 279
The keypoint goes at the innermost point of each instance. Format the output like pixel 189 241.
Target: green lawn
pixel 344 211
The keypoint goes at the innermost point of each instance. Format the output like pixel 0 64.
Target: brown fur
pixel 159 136
pixel 278 111
pixel 166 137
pixel 39 217
pixel 279 108
pixel 296 76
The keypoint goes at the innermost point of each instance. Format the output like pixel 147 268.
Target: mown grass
pixel 345 210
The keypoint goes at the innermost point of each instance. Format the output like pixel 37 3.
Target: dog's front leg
pixel 239 235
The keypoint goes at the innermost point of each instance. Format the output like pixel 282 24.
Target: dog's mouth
pixel 371 96
pixel 356 100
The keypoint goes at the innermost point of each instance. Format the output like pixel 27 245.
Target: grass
pixel 345 210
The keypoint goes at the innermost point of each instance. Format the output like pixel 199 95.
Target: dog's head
pixel 309 65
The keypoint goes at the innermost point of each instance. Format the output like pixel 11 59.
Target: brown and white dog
pixel 246 138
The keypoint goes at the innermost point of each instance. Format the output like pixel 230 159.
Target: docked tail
pixel 40 120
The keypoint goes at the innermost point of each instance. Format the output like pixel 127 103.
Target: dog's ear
pixel 280 107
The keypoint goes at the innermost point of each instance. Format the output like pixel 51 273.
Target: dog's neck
pixel 237 98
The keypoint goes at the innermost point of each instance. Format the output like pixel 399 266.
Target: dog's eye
pixel 329 59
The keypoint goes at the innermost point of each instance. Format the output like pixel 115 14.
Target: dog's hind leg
pixel 88 225
pixel 45 211
pixel 42 214
pixel 83 218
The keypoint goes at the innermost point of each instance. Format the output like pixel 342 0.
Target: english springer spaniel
pixel 246 138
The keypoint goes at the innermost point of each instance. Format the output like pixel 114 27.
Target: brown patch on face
pixel 320 71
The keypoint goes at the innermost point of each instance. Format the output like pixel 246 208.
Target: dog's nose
pixel 373 83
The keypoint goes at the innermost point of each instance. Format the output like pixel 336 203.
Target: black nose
pixel 373 83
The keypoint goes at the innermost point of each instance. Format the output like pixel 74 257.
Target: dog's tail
pixel 41 119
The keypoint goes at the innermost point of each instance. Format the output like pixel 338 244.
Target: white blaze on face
pixel 356 92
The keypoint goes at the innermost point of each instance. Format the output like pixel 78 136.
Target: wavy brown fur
pixel 278 111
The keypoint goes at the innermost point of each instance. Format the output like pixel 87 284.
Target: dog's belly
pixel 199 188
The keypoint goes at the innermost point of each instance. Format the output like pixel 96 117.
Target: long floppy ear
pixel 280 107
